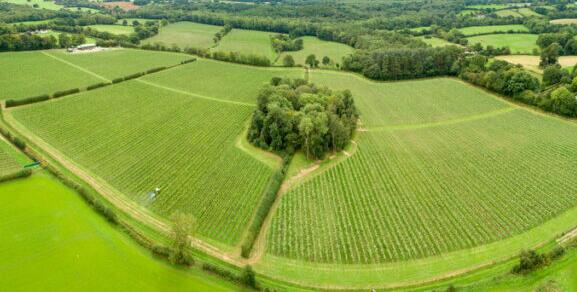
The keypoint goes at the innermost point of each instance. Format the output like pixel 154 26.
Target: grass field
pixel 564 21
pixel 518 43
pixel 475 30
pixel 164 132
pixel 186 34
pixel 50 5
pixel 52 241
pixel 247 42
pixel 26 74
pixel 312 45
pixel 130 20
pixel 532 62
pixel 488 6
pixel 112 28
pixel 436 42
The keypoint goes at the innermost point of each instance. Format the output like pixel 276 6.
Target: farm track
pixel 75 66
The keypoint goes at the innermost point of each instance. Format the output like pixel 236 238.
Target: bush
pixel 19 174
pixel 117 80
pixel 65 92
pixel 529 260
pixel 249 277
pixel 188 61
pixel 97 85
pixel 28 100
pixel 133 76
pixel 219 271
pixel 19 143
pixel 154 70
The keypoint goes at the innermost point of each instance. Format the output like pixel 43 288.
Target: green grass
pixel 564 21
pixel 436 42
pixel 518 43
pixel 474 30
pixel 420 28
pixel 467 12
pixel 427 197
pixel 112 28
pixel 35 22
pixel 312 45
pixel 488 6
pixel 82 9
pixel 235 82
pixel 27 74
pixel 130 20
pixel 50 5
pixel 186 34
pixel 247 42
pixel 52 241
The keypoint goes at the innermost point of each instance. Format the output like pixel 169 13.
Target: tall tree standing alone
pixel 183 225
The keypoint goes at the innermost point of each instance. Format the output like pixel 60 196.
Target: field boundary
pixel 75 66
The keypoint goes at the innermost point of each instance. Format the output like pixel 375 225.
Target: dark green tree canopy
pixel 293 115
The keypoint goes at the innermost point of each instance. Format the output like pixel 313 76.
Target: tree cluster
pixel 221 33
pixel 294 115
pixel 283 43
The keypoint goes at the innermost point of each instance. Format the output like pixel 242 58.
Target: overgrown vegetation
pixel 294 115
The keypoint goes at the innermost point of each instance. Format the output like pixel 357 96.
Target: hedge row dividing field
pixel 410 193
pixel 141 135
pixel 27 74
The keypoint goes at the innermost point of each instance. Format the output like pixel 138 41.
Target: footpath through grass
pixel 52 241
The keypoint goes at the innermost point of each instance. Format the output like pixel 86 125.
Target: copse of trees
pixel 283 42
pixel 294 115
pixel 221 33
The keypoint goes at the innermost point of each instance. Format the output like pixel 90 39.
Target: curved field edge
pixel 415 272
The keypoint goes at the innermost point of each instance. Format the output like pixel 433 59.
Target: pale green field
pixel 420 28
pixel 518 43
pixel 236 83
pixel 474 30
pixel 36 22
pixel 28 74
pixel 247 42
pixel 52 241
pixel 130 20
pixel 312 45
pixel 50 5
pixel 112 28
pixel 564 21
pixel 520 12
pixel 486 6
pixel 186 34
pixel 82 9
pixel 436 42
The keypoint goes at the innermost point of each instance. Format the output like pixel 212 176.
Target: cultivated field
pixel 114 29
pixel 50 5
pixel 8 161
pixel 532 62
pixel 312 45
pixel 28 74
pixel 247 42
pixel 475 30
pixel 165 132
pixel 186 34
pixel 49 225
pixel 518 43
pixel 564 21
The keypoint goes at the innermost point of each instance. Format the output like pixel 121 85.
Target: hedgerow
pixel 28 100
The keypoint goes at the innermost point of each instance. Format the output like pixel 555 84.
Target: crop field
pixel 564 21
pixel 532 62
pixel 519 43
pixel 49 225
pixel 246 81
pixel 138 137
pixel 247 42
pixel 186 34
pixel 114 29
pixel 475 30
pixel 25 74
pixel 8 163
pixel 50 5
pixel 312 45
pixel 422 188
pixel 436 42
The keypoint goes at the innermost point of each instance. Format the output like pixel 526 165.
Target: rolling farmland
pixel 377 205
pixel 113 29
pixel 186 34
pixel 247 42
pixel 518 43
pixel 312 45
pixel 25 74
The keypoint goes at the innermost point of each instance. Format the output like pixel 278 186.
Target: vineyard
pixel 138 137
pixel 8 164
pixel 412 193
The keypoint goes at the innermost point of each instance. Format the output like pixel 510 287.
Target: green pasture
pixel 82 9
pixel 130 20
pixel 518 43
pixel 35 22
pixel 186 34
pixel 319 48
pixel 475 30
pixel 52 241
pixel 564 21
pixel 50 5
pixel 436 42
pixel 113 28
pixel 247 42
pixel 488 6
